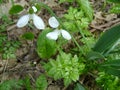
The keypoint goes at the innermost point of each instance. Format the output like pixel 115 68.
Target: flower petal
pixel 65 34
pixel 53 35
pixel 53 22
pixel 34 8
pixel 38 22
pixel 23 21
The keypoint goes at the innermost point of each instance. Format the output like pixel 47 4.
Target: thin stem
pixel 82 34
pixel 78 45
pixel 53 14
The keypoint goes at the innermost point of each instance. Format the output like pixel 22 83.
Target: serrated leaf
pixel 28 36
pixel 115 9
pixel 107 40
pixel 67 81
pixel 15 9
pixel 85 5
pixel 27 83
pixel 41 82
pixel 45 47
pixel 11 84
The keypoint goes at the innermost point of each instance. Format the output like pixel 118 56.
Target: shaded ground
pixel 27 61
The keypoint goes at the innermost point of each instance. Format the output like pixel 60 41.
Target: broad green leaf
pixel 45 47
pixel 28 36
pixel 112 71
pixel 15 9
pixel 94 55
pixel 107 40
pixel 112 63
pixel 115 9
pixel 78 86
pixel 114 1
pixel 111 67
pixel 85 5
pixel 41 83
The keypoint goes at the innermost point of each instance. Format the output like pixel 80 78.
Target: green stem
pixel 78 45
pixel 82 34
pixel 53 14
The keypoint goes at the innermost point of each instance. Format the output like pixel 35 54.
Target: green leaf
pixel 111 67
pixel 38 7
pixel 62 1
pixel 85 6
pixel 94 55
pixel 45 47
pixel 15 9
pixel 115 9
pixel 41 82
pixel 108 40
pixel 78 86
pixel 114 1
pixel 27 83
pixel 28 36
pixel 65 66
pixel 11 85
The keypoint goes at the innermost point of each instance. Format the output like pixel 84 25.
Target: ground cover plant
pixel 60 45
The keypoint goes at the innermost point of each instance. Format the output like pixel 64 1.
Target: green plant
pixel 67 67
pixel 15 9
pixel 41 82
pixel 7 47
pixel 106 58
pixel 11 84
pixel 45 47
pixel 115 6
pixel 108 82
pixel 28 36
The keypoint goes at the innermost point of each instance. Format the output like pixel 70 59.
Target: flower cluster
pixel 54 35
pixel 39 24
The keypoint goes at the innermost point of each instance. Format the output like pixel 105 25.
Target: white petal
pixel 23 21
pixel 66 34
pixel 53 35
pixel 38 22
pixel 53 22
pixel 34 8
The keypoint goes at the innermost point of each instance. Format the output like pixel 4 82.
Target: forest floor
pixel 27 62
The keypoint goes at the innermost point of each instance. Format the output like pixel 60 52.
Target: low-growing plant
pixel 115 8
pixel 108 82
pixel 11 84
pixel 65 66
pixel 88 56
pixel 7 47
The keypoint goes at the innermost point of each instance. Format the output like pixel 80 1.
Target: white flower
pixel 54 35
pixel 38 22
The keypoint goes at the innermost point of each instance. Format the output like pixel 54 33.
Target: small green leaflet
pixel 15 9
pixel 45 47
